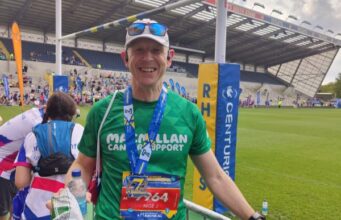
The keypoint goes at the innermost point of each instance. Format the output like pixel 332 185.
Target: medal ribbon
pixel 138 163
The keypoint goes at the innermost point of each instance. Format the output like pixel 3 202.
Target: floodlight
pixel 319 27
pixel 292 17
pixel 330 31
pixel 276 11
pixel 306 22
pixel 258 4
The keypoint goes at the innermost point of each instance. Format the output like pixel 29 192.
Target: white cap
pixel 164 40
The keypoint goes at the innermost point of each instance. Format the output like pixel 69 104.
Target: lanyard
pixel 138 163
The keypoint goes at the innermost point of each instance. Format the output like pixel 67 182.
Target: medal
pixel 136 185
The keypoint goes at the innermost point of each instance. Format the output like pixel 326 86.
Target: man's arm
pixel 221 185
pixel 85 164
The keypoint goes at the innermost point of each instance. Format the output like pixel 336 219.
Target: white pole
pixel 220 32
pixel 58 37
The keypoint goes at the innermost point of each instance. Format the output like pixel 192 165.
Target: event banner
pixel 79 85
pixel 218 99
pixel 16 40
pixel 60 83
pixel 171 82
pixel 338 103
pixel 206 101
pixel 6 85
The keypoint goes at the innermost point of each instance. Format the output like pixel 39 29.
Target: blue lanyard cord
pixel 129 127
pixel 138 164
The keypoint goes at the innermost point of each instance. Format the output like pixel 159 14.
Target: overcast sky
pixel 325 13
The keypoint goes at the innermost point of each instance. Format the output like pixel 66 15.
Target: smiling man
pixel 147 61
pixel 146 139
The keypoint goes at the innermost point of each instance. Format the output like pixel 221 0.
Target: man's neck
pixel 146 94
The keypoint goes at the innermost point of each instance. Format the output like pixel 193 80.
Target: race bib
pixel 158 197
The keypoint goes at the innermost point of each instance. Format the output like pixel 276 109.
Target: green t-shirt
pixel 182 132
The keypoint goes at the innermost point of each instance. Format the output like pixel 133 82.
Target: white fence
pixel 204 212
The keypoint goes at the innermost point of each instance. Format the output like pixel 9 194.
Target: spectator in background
pixel 66 60
pixel 41 98
pixel 12 134
pixel 33 56
pixel 57 133
pixel 25 69
pixel 73 60
pixel 267 103
pixel 26 97
pixel 280 103
pixel 32 96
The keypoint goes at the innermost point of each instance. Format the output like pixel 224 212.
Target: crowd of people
pixel 71 60
pixel 31 96
pixel 91 88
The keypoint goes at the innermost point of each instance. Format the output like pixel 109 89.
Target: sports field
pixel 290 157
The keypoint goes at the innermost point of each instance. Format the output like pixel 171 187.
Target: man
pixel 12 135
pixel 168 129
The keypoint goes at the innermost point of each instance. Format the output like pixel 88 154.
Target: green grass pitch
pixel 290 157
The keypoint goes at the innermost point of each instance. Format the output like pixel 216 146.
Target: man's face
pixel 147 62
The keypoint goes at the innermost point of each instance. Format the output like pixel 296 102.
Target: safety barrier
pixel 202 211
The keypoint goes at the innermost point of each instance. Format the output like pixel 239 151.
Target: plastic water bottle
pixel 265 208
pixel 78 188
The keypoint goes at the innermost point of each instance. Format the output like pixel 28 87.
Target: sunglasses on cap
pixel 154 28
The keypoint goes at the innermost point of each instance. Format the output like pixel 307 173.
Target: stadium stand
pixel 107 61
pixel 270 87
pixel 33 51
pixel 186 68
pixel 264 78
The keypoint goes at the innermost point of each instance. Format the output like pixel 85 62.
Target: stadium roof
pixel 299 56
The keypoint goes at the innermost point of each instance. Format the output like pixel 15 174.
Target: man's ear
pixel 171 54
pixel 124 56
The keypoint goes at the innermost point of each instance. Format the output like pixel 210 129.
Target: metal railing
pixel 204 212
pixel 199 210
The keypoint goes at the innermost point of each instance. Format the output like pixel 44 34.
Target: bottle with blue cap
pixel 265 208
pixel 78 188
